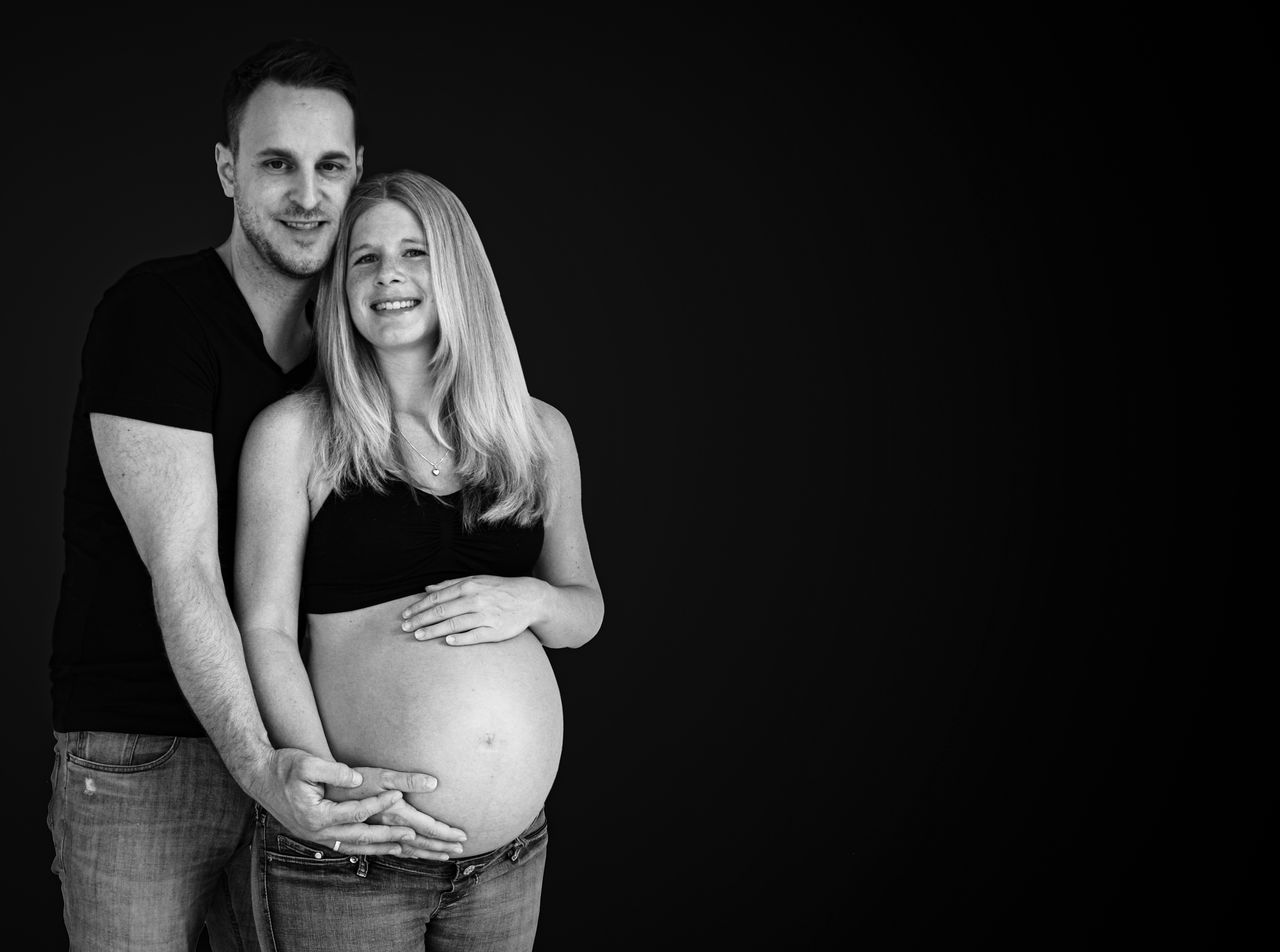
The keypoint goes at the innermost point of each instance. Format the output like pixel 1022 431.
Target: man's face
pixel 290 177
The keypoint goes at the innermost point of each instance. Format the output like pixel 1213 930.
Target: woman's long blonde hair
pixel 480 409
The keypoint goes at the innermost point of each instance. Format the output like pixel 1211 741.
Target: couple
pixel 313 557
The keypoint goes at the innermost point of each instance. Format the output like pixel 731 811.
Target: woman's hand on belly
pixel 433 839
pixel 476 609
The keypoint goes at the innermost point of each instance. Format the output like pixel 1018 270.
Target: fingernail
pixel 431 783
pixel 406 626
pixel 456 848
pixel 358 779
pixel 395 851
pixel 420 635
pixel 449 638
pixel 405 613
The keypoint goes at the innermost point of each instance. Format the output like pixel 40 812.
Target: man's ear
pixel 359 163
pixel 225 161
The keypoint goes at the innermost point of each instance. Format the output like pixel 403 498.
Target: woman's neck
pixel 409 379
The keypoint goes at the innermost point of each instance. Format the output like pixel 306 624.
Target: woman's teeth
pixel 393 305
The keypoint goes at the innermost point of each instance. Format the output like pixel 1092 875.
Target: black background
pixel 905 365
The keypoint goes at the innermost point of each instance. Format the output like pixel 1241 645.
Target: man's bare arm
pixel 163 481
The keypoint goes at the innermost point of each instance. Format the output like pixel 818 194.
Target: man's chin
pixel 295 265
pixel 300 269
pixel 290 260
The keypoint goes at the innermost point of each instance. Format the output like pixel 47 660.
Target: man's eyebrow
pixel 276 152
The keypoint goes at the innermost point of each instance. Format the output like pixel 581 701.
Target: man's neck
pixel 277 301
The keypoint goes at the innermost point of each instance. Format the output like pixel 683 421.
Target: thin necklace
pixel 435 467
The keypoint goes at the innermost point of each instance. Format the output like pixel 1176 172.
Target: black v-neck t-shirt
pixel 172 342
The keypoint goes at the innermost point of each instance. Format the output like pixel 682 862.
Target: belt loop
pixel 517 849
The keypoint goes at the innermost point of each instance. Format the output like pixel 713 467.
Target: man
pixel 160 746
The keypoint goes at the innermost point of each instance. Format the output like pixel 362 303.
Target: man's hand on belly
pixel 476 609
pixel 432 839
pixel 320 800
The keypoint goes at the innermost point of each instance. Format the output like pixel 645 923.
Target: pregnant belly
pixel 485 720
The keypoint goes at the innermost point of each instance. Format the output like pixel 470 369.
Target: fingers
pixel 440 592
pixel 361 839
pixel 452 626
pixel 426 847
pixel 441 833
pixel 426 827
pixel 404 781
pixel 412 851
pixel 319 770
pixel 441 586
pixel 440 611
pixel 357 811
pixel 477 635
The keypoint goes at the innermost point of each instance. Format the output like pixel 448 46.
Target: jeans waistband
pixel 461 867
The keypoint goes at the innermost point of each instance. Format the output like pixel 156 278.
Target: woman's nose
pixel 389 271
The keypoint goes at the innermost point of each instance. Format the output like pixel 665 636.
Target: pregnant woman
pixel 425 513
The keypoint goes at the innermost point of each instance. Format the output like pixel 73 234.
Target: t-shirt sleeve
pixel 146 357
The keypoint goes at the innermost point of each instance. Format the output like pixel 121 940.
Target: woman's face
pixel 389 290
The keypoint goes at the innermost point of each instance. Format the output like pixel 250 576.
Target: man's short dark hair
pixel 295 62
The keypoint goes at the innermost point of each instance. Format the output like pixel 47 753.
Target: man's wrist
pixel 252 768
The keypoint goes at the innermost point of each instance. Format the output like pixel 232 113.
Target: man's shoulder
pixel 177 271
pixel 166 293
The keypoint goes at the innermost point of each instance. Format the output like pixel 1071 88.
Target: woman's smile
pixel 398 304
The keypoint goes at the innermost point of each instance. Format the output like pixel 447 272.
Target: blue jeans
pixel 307 897
pixel 151 840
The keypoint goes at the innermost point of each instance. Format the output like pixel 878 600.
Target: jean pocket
pixel 282 846
pixel 120 753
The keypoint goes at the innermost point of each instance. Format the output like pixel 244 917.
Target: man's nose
pixel 305 192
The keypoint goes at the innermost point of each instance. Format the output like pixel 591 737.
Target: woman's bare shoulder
pixel 291 418
pixel 554 423
pixel 283 434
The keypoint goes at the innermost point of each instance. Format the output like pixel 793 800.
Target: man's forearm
pixel 203 644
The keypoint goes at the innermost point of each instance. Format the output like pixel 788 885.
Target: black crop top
pixel 367 547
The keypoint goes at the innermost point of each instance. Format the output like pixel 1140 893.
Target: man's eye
pixel 332 168
pixel 276 165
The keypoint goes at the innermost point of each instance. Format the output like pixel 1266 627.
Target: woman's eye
pixel 414 253
pixel 363 259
